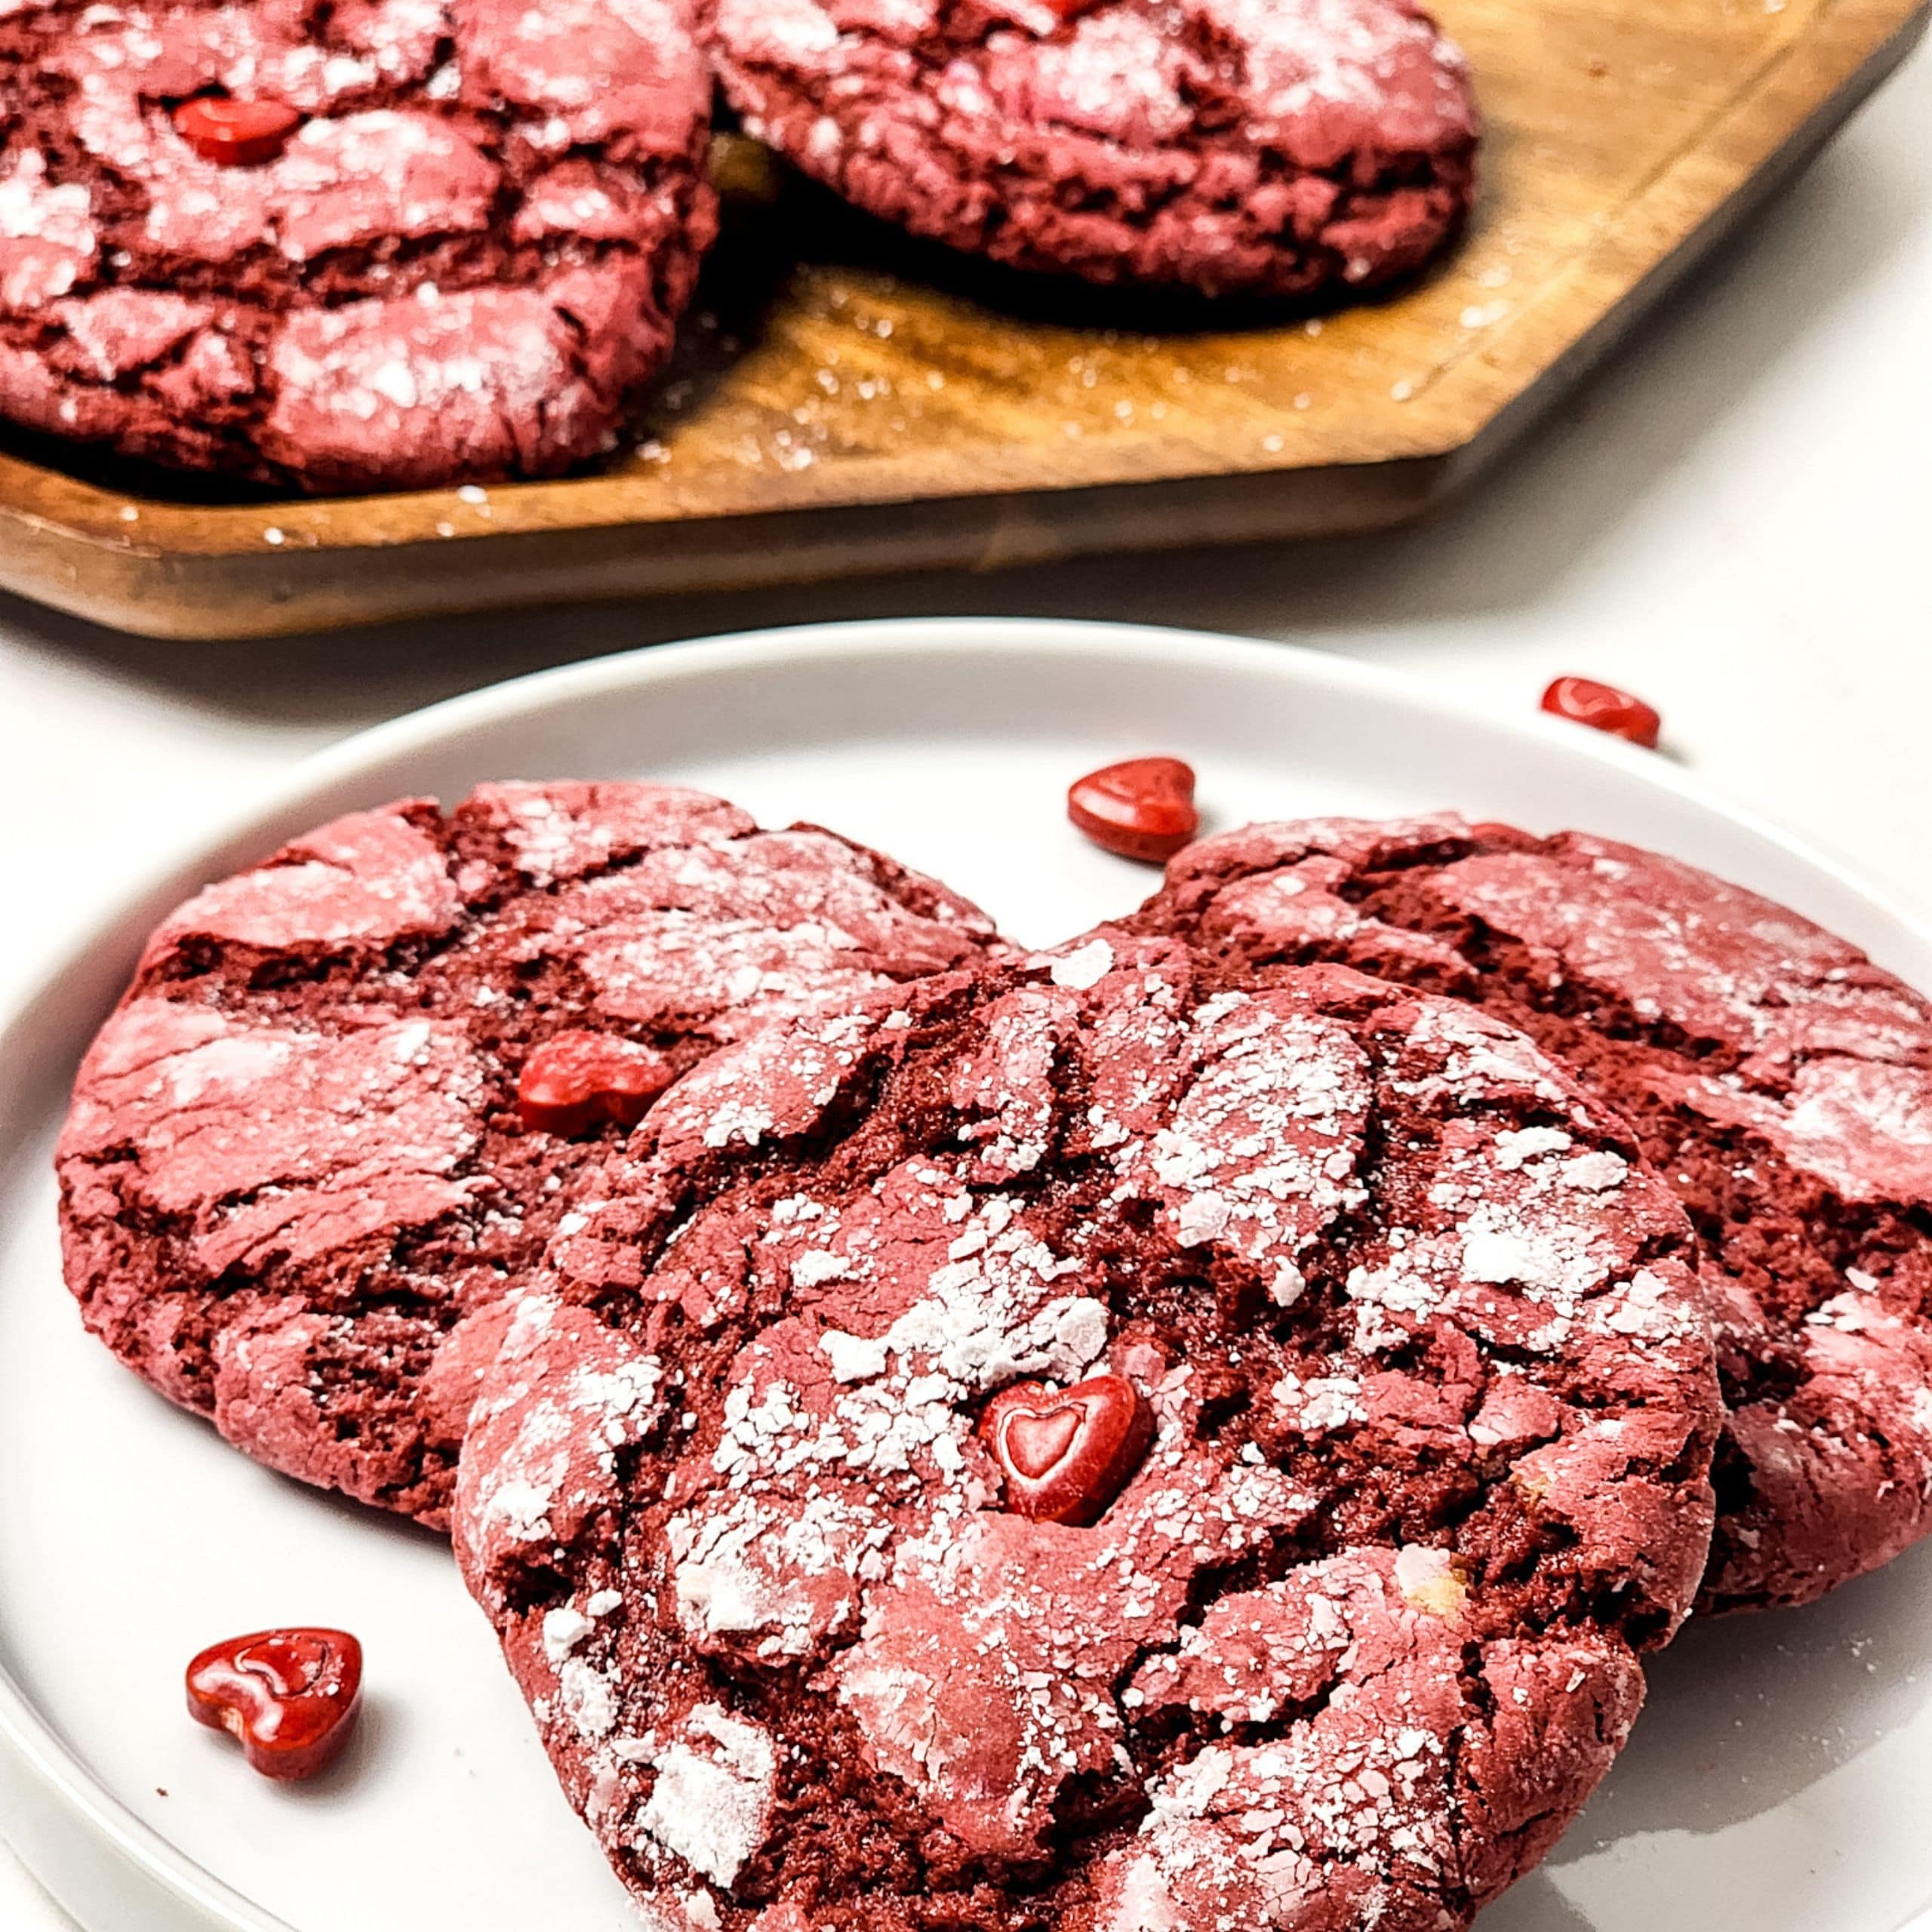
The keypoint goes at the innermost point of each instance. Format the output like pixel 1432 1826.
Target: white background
pixel 1735 520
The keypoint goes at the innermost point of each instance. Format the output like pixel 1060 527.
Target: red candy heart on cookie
pixel 236 134
pixel 1066 1456
pixel 580 1080
pixel 288 1697
pixel 1142 808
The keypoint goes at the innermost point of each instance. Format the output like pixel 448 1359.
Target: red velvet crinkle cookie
pixel 1267 147
pixel 461 258
pixel 1779 1081
pixel 1098 1444
pixel 297 1177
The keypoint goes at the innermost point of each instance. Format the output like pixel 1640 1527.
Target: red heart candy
pixel 1066 1456
pixel 1142 808
pixel 289 1697
pixel 1605 708
pixel 576 1081
pixel 238 134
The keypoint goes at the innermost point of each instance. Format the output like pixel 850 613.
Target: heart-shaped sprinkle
pixel 578 1081
pixel 1036 1445
pixel 1066 1456
pixel 1604 708
pixel 236 134
pixel 288 1697
pixel 1142 808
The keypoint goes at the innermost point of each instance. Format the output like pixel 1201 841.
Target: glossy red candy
pixel 289 1697
pixel 1066 1456
pixel 1142 808
pixel 576 1081
pixel 1605 709
pixel 238 134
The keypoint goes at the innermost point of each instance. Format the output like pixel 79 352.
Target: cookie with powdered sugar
pixel 339 1108
pixel 380 244
pixel 1257 147
pixel 1779 1080
pixel 1099 1442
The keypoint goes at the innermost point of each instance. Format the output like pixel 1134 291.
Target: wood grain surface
pixel 845 402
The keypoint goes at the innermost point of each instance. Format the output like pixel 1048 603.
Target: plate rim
pixel 46 1789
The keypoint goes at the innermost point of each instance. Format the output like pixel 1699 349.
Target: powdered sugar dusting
pixel 299 1192
pixel 1781 1080
pixel 1206 142
pixel 1328 1234
pixel 515 192
pixel 713 1792
pixel 48 241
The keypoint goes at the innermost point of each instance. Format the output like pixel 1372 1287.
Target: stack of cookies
pixel 347 245
pixel 1195 1428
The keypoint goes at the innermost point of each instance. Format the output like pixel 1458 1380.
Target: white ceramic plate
pixel 1780 1781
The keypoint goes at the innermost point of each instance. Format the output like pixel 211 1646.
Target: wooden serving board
pixel 844 401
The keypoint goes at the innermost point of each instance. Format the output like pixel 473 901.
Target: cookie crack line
pixel 730 1496
pixel 298 1180
pixel 1779 1081
pixel 1229 148
pixel 378 302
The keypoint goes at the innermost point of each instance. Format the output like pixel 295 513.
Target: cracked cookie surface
pixel 463 263
pixel 1779 1082
pixel 1430 1405
pixel 1260 147
pixel 295 1176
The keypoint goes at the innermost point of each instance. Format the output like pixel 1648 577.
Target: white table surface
pixel 1735 520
